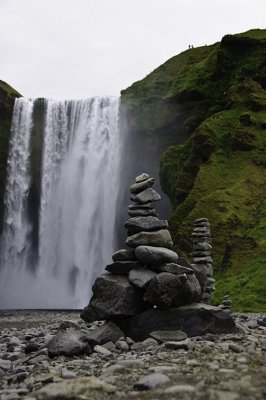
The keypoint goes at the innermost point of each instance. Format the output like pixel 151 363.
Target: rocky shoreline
pixel 213 367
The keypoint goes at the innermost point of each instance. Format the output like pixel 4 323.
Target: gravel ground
pixel 225 367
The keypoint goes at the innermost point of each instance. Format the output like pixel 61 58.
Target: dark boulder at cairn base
pixel 194 319
pixel 149 287
pixel 113 296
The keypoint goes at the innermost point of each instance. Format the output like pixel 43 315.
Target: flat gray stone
pixel 178 345
pixel 124 255
pixel 151 381
pixel 161 238
pixel 135 206
pixel 151 255
pixel 172 268
pixel 141 277
pixel 122 267
pixel 201 260
pixel 166 336
pixel 147 196
pixel 142 177
pixel 147 224
pixel 138 187
pixel 113 296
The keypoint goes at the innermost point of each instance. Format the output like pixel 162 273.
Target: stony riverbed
pixel 225 367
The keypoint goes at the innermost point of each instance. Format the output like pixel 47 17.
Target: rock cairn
pixel 202 261
pixel 226 304
pixel 148 286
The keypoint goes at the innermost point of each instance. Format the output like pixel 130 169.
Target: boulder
pixel 147 224
pixel 113 296
pixel 122 267
pixel 141 277
pixel 138 187
pixel 168 290
pixel 68 343
pixel 147 196
pixel 161 238
pixel 155 255
pixel 194 319
pixel 124 255
pixel 172 268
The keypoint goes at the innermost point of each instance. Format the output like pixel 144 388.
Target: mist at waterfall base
pixel 60 202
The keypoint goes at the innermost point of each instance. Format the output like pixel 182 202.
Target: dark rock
pixel 148 224
pixel 124 255
pixel 113 296
pixel 172 268
pixel 200 235
pixel 201 274
pixel 138 187
pixel 122 267
pixel 66 324
pixel 261 321
pixel 199 220
pixel 181 345
pixel 141 277
pixel 201 239
pixel 31 347
pixel 168 290
pixel 194 319
pixel 108 332
pixel 68 343
pixel 142 213
pixel 147 196
pixel 184 262
pixel 201 229
pixel 137 206
pixel 166 336
pixel 161 238
pixel 202 225
pixel 155 255
pixel 200 253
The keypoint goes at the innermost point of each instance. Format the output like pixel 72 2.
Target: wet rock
pixel 113 296
pixel 155 255
pixel 68 343
pixel 161 238
pixel 147 196
pixel 141 277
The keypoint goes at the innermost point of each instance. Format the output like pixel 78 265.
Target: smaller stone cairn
pixel 148 287
pixel 226 304
pixel 202 261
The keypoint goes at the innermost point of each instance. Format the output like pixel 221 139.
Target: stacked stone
pixel 148 273
pixel 226 304
pixel 202 261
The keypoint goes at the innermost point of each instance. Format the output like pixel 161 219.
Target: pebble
pixel 151 381
pixel 176 389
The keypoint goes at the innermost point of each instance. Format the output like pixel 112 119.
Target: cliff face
pixel 213 100
pixel 7 98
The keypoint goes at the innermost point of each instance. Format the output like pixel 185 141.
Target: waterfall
pixel 50 258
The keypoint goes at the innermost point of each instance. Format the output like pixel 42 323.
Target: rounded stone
pixel 155 255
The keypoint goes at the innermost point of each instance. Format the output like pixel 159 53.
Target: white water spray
pixel 79 188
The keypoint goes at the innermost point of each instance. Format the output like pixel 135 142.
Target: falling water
pixel 79 183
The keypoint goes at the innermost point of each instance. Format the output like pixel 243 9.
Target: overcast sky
pixel 80 48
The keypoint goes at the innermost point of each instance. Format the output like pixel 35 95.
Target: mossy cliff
pixel 213 100
pixel 7 98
